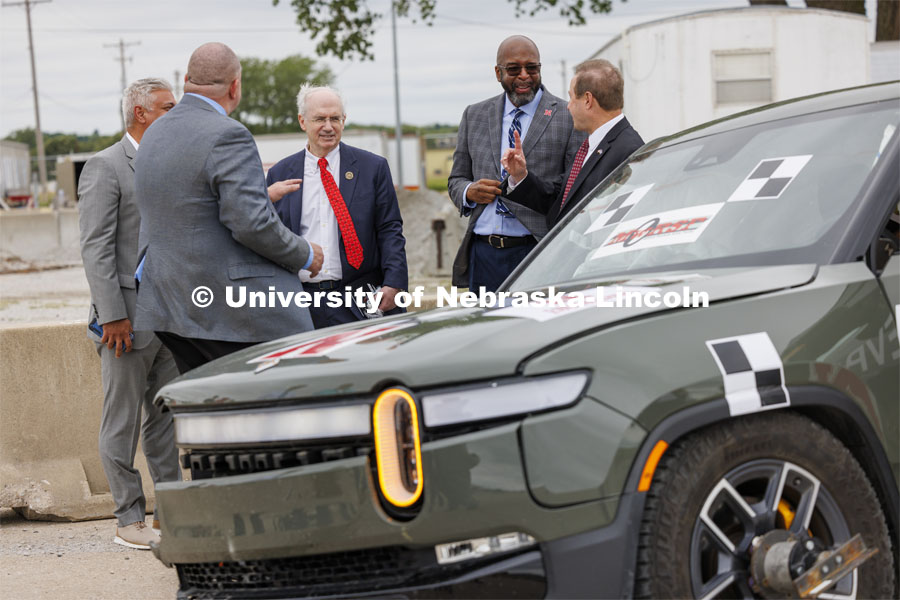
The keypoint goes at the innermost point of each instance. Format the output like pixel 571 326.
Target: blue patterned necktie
pixel 515 126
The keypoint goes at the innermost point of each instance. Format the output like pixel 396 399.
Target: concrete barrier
pixel 50 404
pixel 35 235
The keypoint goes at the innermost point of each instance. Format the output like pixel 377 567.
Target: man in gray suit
pixel 500 233
pixel 210 238
pixel 109 222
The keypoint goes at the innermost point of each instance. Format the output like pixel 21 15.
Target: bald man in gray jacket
pixel 207 225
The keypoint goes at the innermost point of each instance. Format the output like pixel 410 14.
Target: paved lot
pixel 40 559
pixel 52 294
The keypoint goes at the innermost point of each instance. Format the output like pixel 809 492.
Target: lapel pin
pixel 547 112
pixel 348 175
pixel 600 151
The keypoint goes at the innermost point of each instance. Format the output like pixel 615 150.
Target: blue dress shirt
pixel 490 222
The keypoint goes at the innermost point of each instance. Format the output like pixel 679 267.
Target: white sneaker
pixel 137 535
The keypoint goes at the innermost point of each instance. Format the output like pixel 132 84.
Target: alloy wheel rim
pixel 750 500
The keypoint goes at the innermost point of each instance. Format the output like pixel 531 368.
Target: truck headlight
pixel 272 425
pixel 502 399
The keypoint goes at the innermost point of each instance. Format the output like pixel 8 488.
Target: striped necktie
pixel 514 127
pixel 576 169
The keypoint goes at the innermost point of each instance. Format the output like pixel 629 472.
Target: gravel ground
pixel 40 559
pixel 51 293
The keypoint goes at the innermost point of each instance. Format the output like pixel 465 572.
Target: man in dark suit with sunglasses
pixel 500 234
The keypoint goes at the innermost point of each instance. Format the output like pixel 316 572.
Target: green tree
pixel 269 91
pixel 96 142
pixel 62 143
pixel 56 144
pixel 23 136
pixel 346 26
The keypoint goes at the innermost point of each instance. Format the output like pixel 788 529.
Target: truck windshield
pixel 774 193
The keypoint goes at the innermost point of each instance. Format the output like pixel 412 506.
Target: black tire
pixel 689 482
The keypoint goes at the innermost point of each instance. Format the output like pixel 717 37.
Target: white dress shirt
pixel 132 140
pixel 317 221
pixel 597 136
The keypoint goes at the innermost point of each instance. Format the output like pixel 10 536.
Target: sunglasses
pixel 513 70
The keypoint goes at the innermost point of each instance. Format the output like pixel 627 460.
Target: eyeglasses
pixel 514 70
pixel 323 120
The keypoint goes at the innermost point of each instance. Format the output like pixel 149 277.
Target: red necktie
pixel 576 169
pixel 351 243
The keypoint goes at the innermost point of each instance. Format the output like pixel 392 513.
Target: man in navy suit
pixel 596 98
pixel 343 199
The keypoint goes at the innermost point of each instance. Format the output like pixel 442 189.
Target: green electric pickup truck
pixel 706 404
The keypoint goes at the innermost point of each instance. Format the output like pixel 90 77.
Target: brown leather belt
pixel 505 241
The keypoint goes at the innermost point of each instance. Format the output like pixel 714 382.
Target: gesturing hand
pixel 280 189
pixel 514 161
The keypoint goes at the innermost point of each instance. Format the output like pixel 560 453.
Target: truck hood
pixel 446 345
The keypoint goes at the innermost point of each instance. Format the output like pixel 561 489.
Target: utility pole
pixel 38 135
pixel 399 126
pixel 178 84
pixel 565 87
pixel 121 46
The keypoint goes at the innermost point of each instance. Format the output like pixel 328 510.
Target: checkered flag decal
pixel 751 371
pixel 770 178
pixel 617 209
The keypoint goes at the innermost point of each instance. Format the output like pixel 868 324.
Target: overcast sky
pixel 443 68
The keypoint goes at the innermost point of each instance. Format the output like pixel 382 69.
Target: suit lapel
pixel 594 159
pixel 129 151
pixel 295 208
pixel 494 124
pixel 348 168
pixel 539 122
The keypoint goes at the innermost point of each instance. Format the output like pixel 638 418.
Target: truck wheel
pixel 720 487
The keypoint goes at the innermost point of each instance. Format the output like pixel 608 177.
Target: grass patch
pixel 438 184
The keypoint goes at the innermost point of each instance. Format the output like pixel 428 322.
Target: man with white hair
pixel 346 203
pixel 133 364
